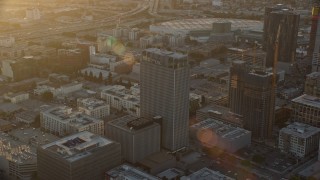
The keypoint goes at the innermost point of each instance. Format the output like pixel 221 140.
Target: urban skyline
pixel 159 89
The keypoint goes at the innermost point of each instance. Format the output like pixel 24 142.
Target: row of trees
pixel 90 77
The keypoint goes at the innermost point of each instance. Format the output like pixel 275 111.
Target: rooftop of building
pixel 13 95
pixel 165 53
pixel 34 136
pixel 187 25
pixel 218 70
pixel 90 103
pixel 77 146
pixel 206 174
pixel 130 173
pixel 103 55
pixel 223 130
pixel 131 123
pixel 300 130
pixel 281 8
pixel 313 75
pixel 9 107
pixel 308 100
pixel 171 173
pixel 261 73
pixel 222 113
pixel 123 93
pixel 74 118
pixel 311 171
pixel 16 151
pixel 158 160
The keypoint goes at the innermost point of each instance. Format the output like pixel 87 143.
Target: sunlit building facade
pixel 164 88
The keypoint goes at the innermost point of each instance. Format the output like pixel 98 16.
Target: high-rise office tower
pixel 164 92
pixel 288 19
pixel 251 94
pixel 314 44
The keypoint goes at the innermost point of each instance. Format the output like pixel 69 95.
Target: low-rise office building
pixel 62 121
pixel 81 156
pixel 299 139
pixel 306 109
pixel 213 133
pixel 120 98
pixel 312 84
pixel 139 137
pixel 17 159
pixel 93 107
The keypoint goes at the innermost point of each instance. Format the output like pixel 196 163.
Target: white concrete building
pixel 120 98
pixel 299 139
pixel 16 97
pixel 93 107
pixel 56 91
pixel 62 121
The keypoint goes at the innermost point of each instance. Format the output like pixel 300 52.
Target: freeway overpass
pixel 36 32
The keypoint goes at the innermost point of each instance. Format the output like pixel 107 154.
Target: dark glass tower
pixel 314 46
pixel 164 92
pixel 289 21
pixel 251 94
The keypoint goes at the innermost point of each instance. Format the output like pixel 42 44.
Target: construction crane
pixel 274 77
pixel 276 57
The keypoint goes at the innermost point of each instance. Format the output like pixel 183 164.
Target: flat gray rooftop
pixel 307 100
pixel 77 146
pixel 300 130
